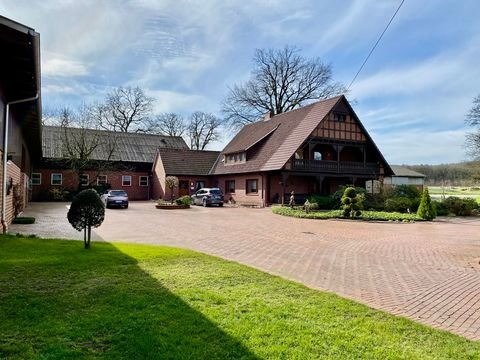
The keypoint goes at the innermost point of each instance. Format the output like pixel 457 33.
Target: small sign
pixel 372 186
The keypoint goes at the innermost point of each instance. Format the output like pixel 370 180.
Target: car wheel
pixel 220 205
pixel 205 202
pixel 126 206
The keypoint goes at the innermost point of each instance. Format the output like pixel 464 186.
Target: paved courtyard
pixel 428 272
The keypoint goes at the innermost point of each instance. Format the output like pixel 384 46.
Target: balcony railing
pixel 333 166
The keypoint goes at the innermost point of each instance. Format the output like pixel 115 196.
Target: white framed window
pixel 56 179
pixel 126 180
pixel 36 179
pixel 101 179
pixel 143 180
pixel 84 180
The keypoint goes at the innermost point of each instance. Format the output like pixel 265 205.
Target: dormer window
pixel 236 158
pixel 340 117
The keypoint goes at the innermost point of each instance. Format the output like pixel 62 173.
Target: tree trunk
pixel 85 238
pixel 89 234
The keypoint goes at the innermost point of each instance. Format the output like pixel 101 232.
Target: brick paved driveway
pixel 428 272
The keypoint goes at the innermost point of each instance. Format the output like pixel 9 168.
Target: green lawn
pixel 122 301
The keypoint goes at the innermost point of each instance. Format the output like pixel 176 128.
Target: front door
pixel 183 188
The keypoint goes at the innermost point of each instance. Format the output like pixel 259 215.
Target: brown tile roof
pixel 187 162
pixel 131 147
pixel 277 138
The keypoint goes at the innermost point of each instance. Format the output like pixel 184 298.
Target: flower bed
pixel 167 206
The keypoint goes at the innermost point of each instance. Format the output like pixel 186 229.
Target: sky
pixel 412 95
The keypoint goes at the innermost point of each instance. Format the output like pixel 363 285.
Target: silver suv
pixel 115 198
pixel 207 197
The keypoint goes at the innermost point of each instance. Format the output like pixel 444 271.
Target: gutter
pixel 5 155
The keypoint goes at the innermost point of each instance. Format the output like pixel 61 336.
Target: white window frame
pixel 61 179
pixel 101 183
pixel 39 179
pixel 140 180
pixel 130 180
pixel 88 180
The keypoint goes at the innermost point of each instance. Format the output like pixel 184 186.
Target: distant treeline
pixel 464 173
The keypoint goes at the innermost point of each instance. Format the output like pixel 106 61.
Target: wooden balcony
pixel 326 166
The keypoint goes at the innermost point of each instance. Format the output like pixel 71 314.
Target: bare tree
pixel 170 124
pixel 473 138
pixel 125 109
pixel 83 147
pixel 203 129
pixel 281 80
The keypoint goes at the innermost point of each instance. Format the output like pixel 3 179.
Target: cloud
pixel 63 68
pixel 424 147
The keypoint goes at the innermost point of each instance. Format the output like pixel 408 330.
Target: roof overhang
pixel 20 78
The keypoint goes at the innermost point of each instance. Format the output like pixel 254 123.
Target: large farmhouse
pixel 313 149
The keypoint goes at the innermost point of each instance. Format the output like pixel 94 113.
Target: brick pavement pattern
pixel 428 272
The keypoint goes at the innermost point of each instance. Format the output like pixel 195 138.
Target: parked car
pixel 207 197
pixel 113 198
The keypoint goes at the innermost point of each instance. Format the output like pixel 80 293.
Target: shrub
pixel 460 207
pixel 374 202
pixel 337 196
pixel 398 204
pixel 23 220
pixel 440 208
pixel 408 191
pixel 351 203
pixel 426 210
pixel 323 202
pixel 17 200
pixel 58 194
pixel 86 211
pixel 184 200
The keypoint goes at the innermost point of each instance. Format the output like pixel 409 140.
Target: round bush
pixel 350 192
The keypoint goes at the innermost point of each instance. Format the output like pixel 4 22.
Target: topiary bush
pixel 23 220
pixel 337 196
pixel 426 210
pixel 86 211
pixel 351 203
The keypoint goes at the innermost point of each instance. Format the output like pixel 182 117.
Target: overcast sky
pixel 412 95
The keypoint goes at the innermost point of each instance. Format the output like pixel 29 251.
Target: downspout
pixel 5 156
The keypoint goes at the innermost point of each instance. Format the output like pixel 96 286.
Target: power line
pixel 374 46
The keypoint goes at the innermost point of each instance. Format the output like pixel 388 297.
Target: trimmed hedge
pixel 23 220
pixel 337 214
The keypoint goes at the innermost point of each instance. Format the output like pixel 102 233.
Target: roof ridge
pixel 128 133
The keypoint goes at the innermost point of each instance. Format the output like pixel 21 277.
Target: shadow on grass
pixel 59 301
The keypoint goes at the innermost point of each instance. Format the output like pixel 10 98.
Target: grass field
pixel 122 301
pixel 455 190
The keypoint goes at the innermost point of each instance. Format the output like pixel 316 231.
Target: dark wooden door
pixel 183 188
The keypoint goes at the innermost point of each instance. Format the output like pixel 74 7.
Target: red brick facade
pixel 137 189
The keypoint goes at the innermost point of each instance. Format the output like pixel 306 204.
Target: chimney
pixel 268 116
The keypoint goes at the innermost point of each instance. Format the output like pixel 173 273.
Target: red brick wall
pixel 70 182
pixel 240 195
